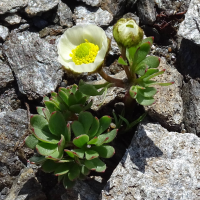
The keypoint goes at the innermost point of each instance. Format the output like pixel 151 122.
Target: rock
pixel 52 31
pixel 34 62
pixel 191 102
pixel 81 191
pixel 36 7
pixel 12 19
pixel 188 59
pixel 4 32
pixel 7 6
pixel 6 76
pixel 133 16
pixel 112 93
pixel 9 100
pixel 92 2
pixel 190 27
pixel 99 17
pixel 168 107
pixel 178 6
pixel 65 14
pixel 157 165
pixel 114 50
pixel 115 7
pixel 146 11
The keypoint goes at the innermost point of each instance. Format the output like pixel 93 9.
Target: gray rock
pixel 191 102
pixel 92 2
pixel 4 32
pixel 114 50
pixel 52 31
pixel 146 11
pixel 9 100
pixel 115 7
pixel 36 7
pixel 65 14
pixel 12 19
pixel 174 5
pixel 6 76
pixel 99 17
pixel 81 191
pixel 190 27
pixel 189 59
pixel 133 16
pixel 34 62
pixel 157 165
pixel 7 6
pixel 168 107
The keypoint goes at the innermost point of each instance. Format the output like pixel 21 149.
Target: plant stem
pixel 124 66
pixel 117 82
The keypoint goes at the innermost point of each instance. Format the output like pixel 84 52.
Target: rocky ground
pixel 158 161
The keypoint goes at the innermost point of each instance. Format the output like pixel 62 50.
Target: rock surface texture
pixel 168 108
pixel 157 165
pixel 4 32
pixel 34 63
pixel 92 2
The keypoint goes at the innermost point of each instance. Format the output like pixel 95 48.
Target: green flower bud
pixel 127 33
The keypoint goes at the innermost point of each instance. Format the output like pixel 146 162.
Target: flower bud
pixel 127 33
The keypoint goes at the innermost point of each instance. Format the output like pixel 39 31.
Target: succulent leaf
pixel 95 164
pixel 38 121
pixel 61 143
pixel 31 141
pixel 37 159
pixel 45 98
pixel 85 170
pixel 70 153
pixel 78 128
pixel 67 183
pixel 63 168
pixel 67 133
pixel 148 91
pixel 46 113
pixel 145 101
pixel 148 39
pixel 104 124
pixel 78 152
pixel 93 140
pixel 122 61
pixel 74 172
pixel 46 149
pixel 39 110
pixel 81 140
pixel 51 106
pixel 63 96
pixel 49 166
pixel 86 119
pixel 104 151
pixel 76 108
pixel 150 61
pixel 91 154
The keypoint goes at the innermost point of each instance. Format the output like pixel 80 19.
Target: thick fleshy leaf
pixel 95 164
pixel 104 151
pixel 85 170
pixel 67 183
pixel 66 90
pixel 78 96
pixel 141 69
pixel 148 73
pixel 39 111
pixel 49 166
pixel 81 140
pixel 89 89
pixel 148 39
pixel 78 128
pixel 154 75
pixel 64 96
pixel 57 123
pixel 31 141
pixel 106 138
pixel 72 100
pixel 130 52
pixel 37 159
pixel 56 155
pixel 70 153
pixel 46 149
pixel 51 106
pixel 91 154
pixel 78 152
pixel 45 136
pixel 122 61
pixel 133 91
pixel 63 168
pixel 150 61
pixel 74 88
pixel 76 108
pixel 145 101
pixel 93 140
pixel 67 133
pixel 86 119
pixel 148 92
pixel 165 84
pixel 46 113
pixel 104 124
pixel 74 172
pixel 142 52
pixel 61 143
pixel 38 121
pixel 94 127
pixel 45 98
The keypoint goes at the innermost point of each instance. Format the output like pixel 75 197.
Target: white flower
pixel 83 48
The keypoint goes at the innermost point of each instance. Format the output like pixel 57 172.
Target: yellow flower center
pixel 84 53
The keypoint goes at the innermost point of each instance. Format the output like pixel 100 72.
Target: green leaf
pixel 45 136
pixel 78 128
pixel 154 75
pixel 150 61
pixel 122 61
pixel 45 98
pixel 74 172
pixel 51 106
pixel 84 170
pixel 76 108
pixel 63 96
pixel 93 140
pixel 31 141
pixel 148 73
pixel 133 92
pixel 125 120
pixel 104 151
pixel 130 52
pixel 165 84
pixel 39 110
pixel 37 159
pixel 78 96
pixel 70 153
pixel 61 143
pixel 104 124
pixel 148 39
pixel 95 164
pixel 145 101
pixel 49 166
pixel 141 69
pixel 106 138
pixel 89 89
pixel 81 140
pixel 78 152
pixel 67 133
pixel 148 92
pixel 56 155
pixel 67 183
pixel 72 100
pixel 46 113
pixel 38 121
pixel 46 149
pixel 91 154
pixel 86 119
pixel 74 88
pixel 57 123
pixel 63 168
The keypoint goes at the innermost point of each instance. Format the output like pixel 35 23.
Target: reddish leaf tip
pixel 172 82
pixel 149 43
pixel 159 59
pixel 106 139
pixel 164 70
pixel 28 160
pixel 53 113
pixel 152 37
